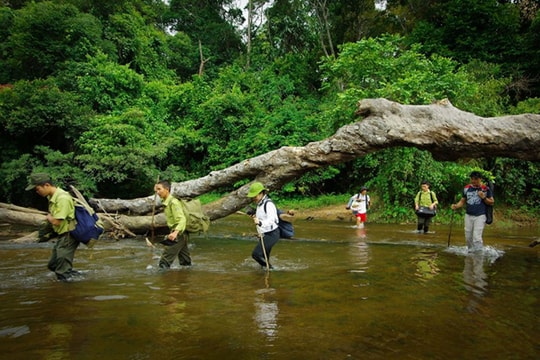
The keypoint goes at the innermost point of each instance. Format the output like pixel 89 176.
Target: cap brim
pixel 256 192
pixel 30 187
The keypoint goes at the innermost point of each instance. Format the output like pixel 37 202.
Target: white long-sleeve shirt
pixel 268 219
pixel 361 202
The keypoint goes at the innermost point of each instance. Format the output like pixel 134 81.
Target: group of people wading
pixel 61 219
pixel 476 197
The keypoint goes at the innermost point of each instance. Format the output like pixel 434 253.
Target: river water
pixel 383 292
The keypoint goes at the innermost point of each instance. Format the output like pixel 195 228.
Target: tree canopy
pixel 110 95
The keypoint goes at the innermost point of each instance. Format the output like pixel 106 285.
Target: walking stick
pixel 261 237
pixel 153 215
pixel 264 252
pixel 451 223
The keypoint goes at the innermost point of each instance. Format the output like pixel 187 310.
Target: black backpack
pixel 489 208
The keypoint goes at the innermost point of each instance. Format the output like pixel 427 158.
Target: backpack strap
pixel 420 193
pixel 264 206
pixel 266 202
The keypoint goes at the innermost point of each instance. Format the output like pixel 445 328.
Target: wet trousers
pixel 178 249
pixel 474 228
pixel 423 223
pixel 270 239
pixel 61 260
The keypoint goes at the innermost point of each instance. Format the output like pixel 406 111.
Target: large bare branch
pixel 445 131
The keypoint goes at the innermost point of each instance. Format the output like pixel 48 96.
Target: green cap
pixel 37 179
pixel 255 189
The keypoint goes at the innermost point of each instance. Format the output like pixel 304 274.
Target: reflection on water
pixel 14 332
pixel 381 292
pixel 266 311
pixel 360 251
pixel 475 279
pixel 426 264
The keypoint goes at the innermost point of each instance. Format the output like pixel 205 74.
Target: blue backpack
pixel 88 224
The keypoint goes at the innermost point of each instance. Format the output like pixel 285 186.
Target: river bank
pixel 503 217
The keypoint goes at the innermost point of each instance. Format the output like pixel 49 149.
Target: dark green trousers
pixel 178 249
pixel 61 261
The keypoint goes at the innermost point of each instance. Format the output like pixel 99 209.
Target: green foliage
pixel 181 55
pixel 518 181
pixel 307 202
pixel 102 84
pixel 119 151
pixel 64 170
pixel 109 96
pixel 485 30
pixel 400 172
pixel 43 35
pixel 61 167
pixel 488 98
pixel 238 125
pixel 386 67
pixel 529 106
pixel 210 24
pixel 312 183
pixel 40 111
pixel 292 27
pixel 140 46
pixel 13 178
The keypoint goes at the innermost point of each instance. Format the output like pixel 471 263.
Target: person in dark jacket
pixel 476 196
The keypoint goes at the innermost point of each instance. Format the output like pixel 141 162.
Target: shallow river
pixel 336 292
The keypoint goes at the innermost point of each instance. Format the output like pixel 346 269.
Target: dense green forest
pixel 111 94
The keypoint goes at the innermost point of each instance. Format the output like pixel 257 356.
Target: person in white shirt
pixel 359 204
pixel 266 220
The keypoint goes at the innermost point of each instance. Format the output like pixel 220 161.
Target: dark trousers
pixel 423 223
pixel 61 260
pixel 178 249
pixel 270 239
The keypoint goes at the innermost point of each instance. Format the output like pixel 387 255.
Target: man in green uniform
pixel 176 243
pixel 61 216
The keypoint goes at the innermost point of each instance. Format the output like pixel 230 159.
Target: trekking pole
pixel 154 212
pixel 261 237
pixel 451 223
pixel 264 252
pixel 152 225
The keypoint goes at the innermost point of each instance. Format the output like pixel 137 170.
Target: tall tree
pixel 211 23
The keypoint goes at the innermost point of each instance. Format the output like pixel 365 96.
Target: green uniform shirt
pixel 61 207
pixel 423 198
pixel 174 214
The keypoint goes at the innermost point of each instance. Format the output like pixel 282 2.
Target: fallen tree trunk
pixel 445 131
